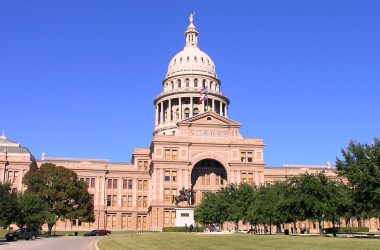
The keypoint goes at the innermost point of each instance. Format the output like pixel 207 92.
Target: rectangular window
pixel 129 221
pixel 124 201
pixel 109 200
pixel 145 184
pixel 114 200
pixel 130 184
pixel 174 175
pixel 139 201
pixel 167 154
pixel 140 165
pixel 146 165
pixel 246 156
pixel 92 185
pixel 109 183
pixel 145 201
pixel 114 186
pixel 250 178
pixel 125 184
pixel 167 175
pixel 207 179
pixel 167 194
pixel 16 176
pixel 129 200
pixel 174 192
pixel 167 218
pixel 92 199
pixel 217 179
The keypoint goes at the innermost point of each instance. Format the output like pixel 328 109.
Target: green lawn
pixel 193 241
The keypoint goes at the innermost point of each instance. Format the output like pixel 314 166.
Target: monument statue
pixel 191 17
pixel 184 195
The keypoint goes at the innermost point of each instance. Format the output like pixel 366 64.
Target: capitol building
pixel 195 146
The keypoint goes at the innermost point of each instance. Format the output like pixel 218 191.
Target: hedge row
pixel 347 230
pixel 181 229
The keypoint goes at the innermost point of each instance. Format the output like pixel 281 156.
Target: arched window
pixel 196 111
pixel 179 83
pixel 204 83
pixel 172 84
pixel 211 85
pixel 187 82
pixel 175 60
pixel 195 58
pixel 202 59
pixel 188 58
pixel 195 82
pixel 180 59
pixel 177 114
pixel 187 113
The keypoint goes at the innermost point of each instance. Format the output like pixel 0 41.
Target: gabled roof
pixel 209 118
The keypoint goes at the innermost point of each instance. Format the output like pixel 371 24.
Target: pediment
pixel 209 119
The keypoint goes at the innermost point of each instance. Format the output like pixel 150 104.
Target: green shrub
pixel 181 229
pixel 347 230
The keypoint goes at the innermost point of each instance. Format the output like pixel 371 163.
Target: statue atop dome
pixel 191 17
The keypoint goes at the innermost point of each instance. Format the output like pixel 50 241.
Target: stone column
pixel 162 112
pixel 157 114
pixel 203 107
pixel 154 174
pixel 220 108
pixel 226 110
pixel 180 108
pixel 161 191
pixel 213 105
pixel 170 110
pixel 191 106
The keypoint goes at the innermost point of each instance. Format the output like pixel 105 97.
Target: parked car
pixel 34 231
pixel 20 234
pixel 98 233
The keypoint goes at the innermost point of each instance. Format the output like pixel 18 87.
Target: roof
pixel 11 147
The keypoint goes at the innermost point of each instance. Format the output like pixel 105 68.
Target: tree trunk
pixel 270 225
pixel 333 221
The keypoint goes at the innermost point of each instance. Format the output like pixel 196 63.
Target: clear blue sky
pixel 78 78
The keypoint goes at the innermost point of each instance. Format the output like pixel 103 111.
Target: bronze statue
pixel 184 195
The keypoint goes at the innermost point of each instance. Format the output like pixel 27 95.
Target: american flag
pixel 203 91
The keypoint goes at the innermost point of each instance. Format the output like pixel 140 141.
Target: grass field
pixel 193 241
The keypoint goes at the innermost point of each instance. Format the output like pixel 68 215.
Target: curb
pixel 96 245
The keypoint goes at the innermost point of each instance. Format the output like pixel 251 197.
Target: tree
pixel 65 196
pixel 209 210
pixel 8 205
pixel 33 210
pixel 266 205
pixel 361 166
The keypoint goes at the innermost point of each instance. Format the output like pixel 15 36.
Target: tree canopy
pixel 8 205
pixel 65 195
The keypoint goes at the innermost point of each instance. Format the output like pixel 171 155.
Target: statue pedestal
pixel 184 216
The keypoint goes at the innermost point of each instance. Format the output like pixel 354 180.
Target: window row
pixel 206 179
pixel 186 84
pixel 141 201
pixel 171 154
pixel 143 165
pixel 247 177
pixel 195 59
pixel 246 156
pixel 126 221
pixel 170 176
pixel 13 176
pixel 169 193
pixel 169 218
pixel 212 133
pixel 127 184
pixel 90 182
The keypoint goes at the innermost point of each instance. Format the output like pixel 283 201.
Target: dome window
pixel 196 111
pixel 188 58
pixel 187 113
pixel 208 61
pixel 208 118
pixel 180 59
pixel 195 58
pixel 179 83
pixel 187 82
pixel 202 59
pixel 172 84
pixel 195 82
pixel 175 60
pixel 204 83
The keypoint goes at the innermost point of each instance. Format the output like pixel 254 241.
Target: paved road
pixel 53 243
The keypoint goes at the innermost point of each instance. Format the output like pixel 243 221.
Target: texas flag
pixel 203 92
pixel 203 97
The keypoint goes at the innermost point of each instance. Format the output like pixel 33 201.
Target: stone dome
pixel 191 60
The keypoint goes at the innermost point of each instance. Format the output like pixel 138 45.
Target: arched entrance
pixel 208 175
